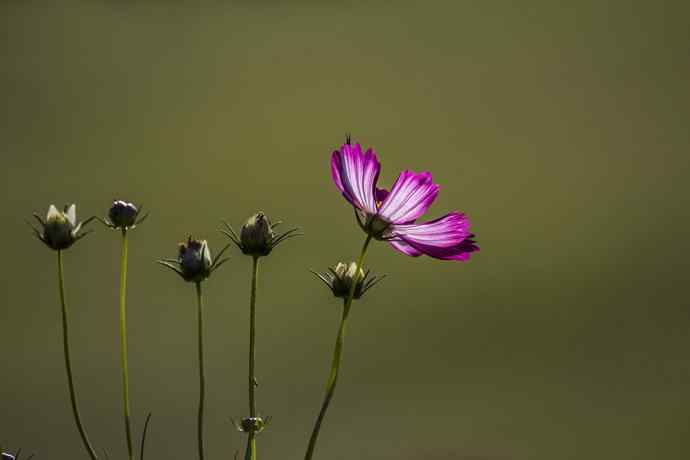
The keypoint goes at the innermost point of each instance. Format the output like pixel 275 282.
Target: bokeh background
pixel 561 130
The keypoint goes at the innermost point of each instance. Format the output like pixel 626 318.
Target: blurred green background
pixel 561 130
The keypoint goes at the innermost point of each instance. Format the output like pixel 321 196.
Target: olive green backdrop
pixel 561 130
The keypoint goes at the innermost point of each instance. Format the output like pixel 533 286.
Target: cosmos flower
pixel 194 261
pixel 391 215
pixel 339 280
pixel 60 230
pixel 123 215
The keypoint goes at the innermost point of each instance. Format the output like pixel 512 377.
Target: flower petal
pixel 401 246
pixel 52 213
pixel 355 174
pixel 72 214
pixel 206 253
pixel 380 195
pixel 446 238
pixel 410 197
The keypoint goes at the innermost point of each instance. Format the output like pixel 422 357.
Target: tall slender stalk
pixel 202 378
pixel 337 354
pixel 251 435
pixel 123 343
pixel 68 365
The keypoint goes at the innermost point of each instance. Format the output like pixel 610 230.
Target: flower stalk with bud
pixel 348 282
pixel 124 216
pixel 59 231
pixel 257 239
pixel 195 264
pixel 387 216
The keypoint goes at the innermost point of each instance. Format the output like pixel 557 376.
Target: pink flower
pixel 391 215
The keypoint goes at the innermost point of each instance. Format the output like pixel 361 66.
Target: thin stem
pixel 337 354
pixel 251 436
pixel 143 437
pixel 68 365
pixel 252 337
pixel 123 343
pixel 202 378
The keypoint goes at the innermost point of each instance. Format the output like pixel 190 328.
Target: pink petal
pixel 401 246
pixel 355 174
pixel 410 197
pixel 381 194
pixel 446 238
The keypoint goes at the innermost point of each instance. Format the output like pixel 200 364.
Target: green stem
pixel 251 436
pixel 202 379
pixel 68 365
pixel 250 453
pixel 337 354
pixel 123 343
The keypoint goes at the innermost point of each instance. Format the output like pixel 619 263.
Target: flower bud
pixel 343 279
pixel 60 230
pixel 194 261
pixel 256 236
pixel 340 279
pixel 122 215
pixel 253 424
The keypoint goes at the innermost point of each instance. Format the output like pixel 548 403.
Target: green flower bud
pixel 253 424
pixel 257 236
pixel 340 278
pixel 60 229
pixel 194 261
pixel 343 279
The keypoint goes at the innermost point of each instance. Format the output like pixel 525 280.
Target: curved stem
pixel 143 437
pixel 251 436
pixel 68 365
pixel 202 378
pixel 337 354
pixel 123 343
